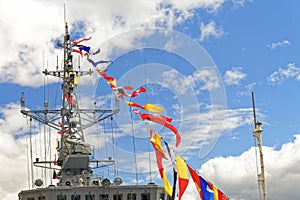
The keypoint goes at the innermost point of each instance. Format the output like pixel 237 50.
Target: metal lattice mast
pixel 74 153
pixel 257 135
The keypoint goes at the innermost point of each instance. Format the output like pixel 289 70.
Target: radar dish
pixel 118 181
pixel 105 182
pixel 38 182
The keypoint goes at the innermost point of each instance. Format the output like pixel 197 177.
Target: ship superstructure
pixel 74 154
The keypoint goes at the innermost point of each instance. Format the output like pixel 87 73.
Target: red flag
pixel 196 180
pixel 136 92
pixel 54 175
pixel 55 162
pixel 70 99
pixel 67 130
pixel 110 80
pixel 163 120
pixel 222 196
pixel 149 106
pixel 83 39
pixel 218 195
pixel 183 177
pixel 77 51
pixel 156 118
pixel 100 72
pixel 127 87
pixel 160 154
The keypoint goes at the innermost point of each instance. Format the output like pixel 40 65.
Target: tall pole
pixel 257 134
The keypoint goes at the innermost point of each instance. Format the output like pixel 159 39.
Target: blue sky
pixel 245 46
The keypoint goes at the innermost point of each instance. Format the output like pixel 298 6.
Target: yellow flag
pixel 181 168
pixel 216 193
pixel 149 106
pixel 153 108
pixel 183 177
pixel 167 186
pixel 156 141
pixel 76 80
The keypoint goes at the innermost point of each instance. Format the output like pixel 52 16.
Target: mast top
pixel 65 18
pixel 254 112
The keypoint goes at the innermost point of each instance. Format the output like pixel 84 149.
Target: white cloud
pixel 240 3
pixel 234 76
pixel 212 5
pixel 247 90
pixel 13 170
pixel 14 148
pixel 210 30
pixel 202 130
pixel 204 79
pixel 22 61
pixel 276 45
pixel 173 79
pixel 282 74
pixel 236 175
pixel 210 78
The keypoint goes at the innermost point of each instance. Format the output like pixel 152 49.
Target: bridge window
pixel 162 196
pixel 90 197
pixel 145 196
pixel 61 197
pixel 103 197
pixel 118 197
pixel 75 197
pixel 131 196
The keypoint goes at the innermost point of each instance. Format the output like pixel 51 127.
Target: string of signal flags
pixel 206 190
pixel 181 170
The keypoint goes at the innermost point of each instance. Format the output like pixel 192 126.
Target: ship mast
pixel 257 135
pixel 74 152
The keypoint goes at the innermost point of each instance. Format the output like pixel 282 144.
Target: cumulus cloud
pixel 234 76
pixel 204 79
pixel 210 30
pixel 282 74
pixel 12 151
pixel 236 175
pixel 202 130
pixel 212 5
pixel 24 57
pixel 15 150
pixel 275 45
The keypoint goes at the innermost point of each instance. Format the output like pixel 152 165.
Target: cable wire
pixel 134 148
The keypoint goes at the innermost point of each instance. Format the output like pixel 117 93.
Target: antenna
pixel 65 13
pixel 254 113
pixel 69 123
pixel 257 134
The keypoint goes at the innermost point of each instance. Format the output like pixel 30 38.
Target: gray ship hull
pixel 128 192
